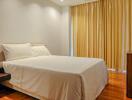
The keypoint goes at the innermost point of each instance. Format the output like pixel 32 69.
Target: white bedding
pixel 59 77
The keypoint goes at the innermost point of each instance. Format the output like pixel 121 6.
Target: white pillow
pixel 17 51
pixel 40 51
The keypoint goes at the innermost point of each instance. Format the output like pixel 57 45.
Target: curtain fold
pixel 103 29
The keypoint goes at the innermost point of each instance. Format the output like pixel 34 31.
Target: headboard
pixel 2 57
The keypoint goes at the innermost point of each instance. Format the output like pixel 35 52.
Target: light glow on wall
pixel 61 0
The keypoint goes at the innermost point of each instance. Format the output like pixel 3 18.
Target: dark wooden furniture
pixel 4 77
pixel 129 74
pixel 2 70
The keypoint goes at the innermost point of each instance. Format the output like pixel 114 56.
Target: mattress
pixel 59 77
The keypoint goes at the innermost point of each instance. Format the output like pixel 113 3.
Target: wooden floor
pixel 9 94
pixel 115 90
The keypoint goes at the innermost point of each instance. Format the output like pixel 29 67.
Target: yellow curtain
pixel 102 29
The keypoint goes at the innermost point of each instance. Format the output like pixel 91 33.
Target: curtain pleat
pixel 103 29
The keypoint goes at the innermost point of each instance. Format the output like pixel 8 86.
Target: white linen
pixel 40 51
pixel 17 51
pixel 59 77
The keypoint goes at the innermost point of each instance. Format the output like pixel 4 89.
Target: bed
pixel 57 77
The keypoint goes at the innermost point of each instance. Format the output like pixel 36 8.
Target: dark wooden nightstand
pixel 2 70
pixel 129 74
pixel 4 77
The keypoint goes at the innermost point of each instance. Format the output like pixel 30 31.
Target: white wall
pixel 65 33
pixel 35 21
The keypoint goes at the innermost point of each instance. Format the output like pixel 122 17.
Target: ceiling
pixel 71 2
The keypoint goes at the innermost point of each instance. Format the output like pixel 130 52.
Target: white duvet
pixel 59 77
